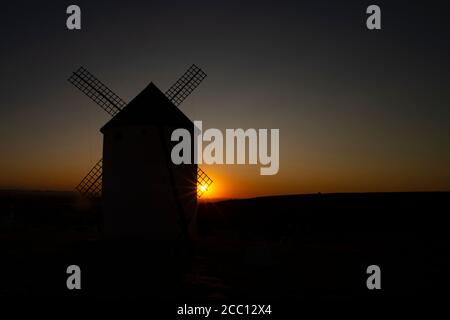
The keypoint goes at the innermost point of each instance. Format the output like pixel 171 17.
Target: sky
pixel 358 110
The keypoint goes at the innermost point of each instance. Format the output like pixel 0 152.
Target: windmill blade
pixel 177 93
pixel 184 86
pixel 91 185
pixel 97 91
pixel 203 182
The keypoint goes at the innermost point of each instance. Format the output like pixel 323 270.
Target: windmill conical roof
pixel 150 107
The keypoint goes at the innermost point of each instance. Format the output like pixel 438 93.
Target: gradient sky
pixel 357 110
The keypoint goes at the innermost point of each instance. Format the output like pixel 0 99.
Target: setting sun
pixel 203 182
pixel 201 189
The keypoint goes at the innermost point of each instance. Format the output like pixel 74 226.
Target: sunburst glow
pixel 201 189
pixel 203 182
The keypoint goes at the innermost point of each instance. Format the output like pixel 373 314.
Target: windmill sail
pixel 91 185
pixel 97 91
pixel 203 182
pixel 181 89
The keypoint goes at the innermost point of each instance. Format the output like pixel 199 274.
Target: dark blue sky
pixel 357 110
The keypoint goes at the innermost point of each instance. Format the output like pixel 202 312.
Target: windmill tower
pixel 144 195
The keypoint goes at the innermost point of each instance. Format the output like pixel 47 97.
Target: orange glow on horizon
pixel 243 181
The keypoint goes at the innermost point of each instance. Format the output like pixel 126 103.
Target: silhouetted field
pixel 271 248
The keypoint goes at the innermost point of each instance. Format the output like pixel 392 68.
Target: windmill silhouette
pixel 137 177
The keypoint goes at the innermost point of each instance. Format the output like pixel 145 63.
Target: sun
pixel 202 190
pixel 203 182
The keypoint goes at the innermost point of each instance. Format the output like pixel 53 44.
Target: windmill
pixel 136 177
pixel 91 185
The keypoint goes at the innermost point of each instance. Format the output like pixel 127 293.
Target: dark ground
pixel 263 249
